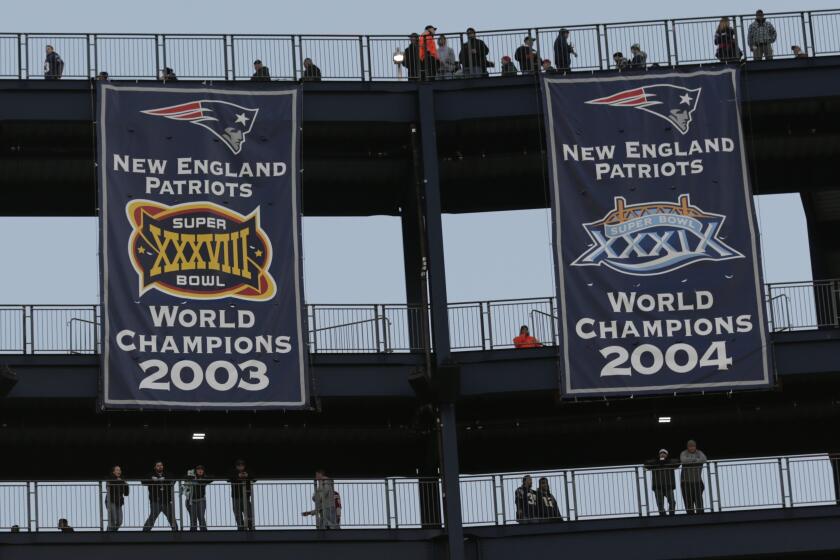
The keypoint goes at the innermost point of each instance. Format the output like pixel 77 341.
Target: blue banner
pixel 658 273
pixel 200 243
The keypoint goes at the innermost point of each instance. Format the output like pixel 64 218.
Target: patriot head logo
pixel 653 238
pixel 229 122
pixel 675 104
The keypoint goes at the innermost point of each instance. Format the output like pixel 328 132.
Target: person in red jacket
pixel 429 59
pixel 525 340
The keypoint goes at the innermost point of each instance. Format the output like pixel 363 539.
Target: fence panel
pixel 277 53
pixel 196 56
pixel 694 40
pixel 825 32
pixel 749 484
pixel 507 317
pixel 9 55
pixel 14 497
pixel 510 483
pixel 466 326
pixel 477 500
pixel 338 57
pixel 343 329
pixel 12 333
pixel 73 49
pixel 790 30
pixel 814 480
pixel 404 328
pixel 652 37
pixel 77 502
pixel 133 57
pixel 604 493
pixel 803 305
pixel 417 503
pixel 382 64
pixel 586 41
pixel 52 329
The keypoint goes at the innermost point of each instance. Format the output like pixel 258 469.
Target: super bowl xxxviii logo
pixel 199 251
pixel 653 238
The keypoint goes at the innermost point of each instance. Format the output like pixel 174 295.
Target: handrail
pixel 351 56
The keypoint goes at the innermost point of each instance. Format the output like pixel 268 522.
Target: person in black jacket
pixel 53 65
pixel 663 480
pixel 473 56
pixel 527 57
pixel 116 489
pixel 563 51
pixel 161 498
pixel 241 491
pixel 311 73
pixel 411 57
pixel 526 501
pixel 727 42
pixel 547 508
pixel 168 75
pixel 261 73
pixel 195 493
pixel 508 69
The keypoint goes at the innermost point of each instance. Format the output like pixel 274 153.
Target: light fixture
pixel 398 56
pixel 198 435
pixel 664 419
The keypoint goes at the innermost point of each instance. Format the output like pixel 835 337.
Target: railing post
pixel 646 491
pixel 314 329
pixel 834 293
pixel 387 506
pixel 31 329
pixel 804 34
pixel 566 493
pixel 294 58
pixel 502 495
pixel 101 508
pixel 486 305
pixel 376 336
pixel 717 485
pixel 551 321
pixel 35 499
pixel 790 484
pixel 772 310
pixel 87 55
pixel 668 42
pixel 361 58
pixel 606 48
pixel 574 499
pixel 495 501
pixel 600 54
pixel 20 39
pixel 229 38
pixel 813 38
pixel 163 50
pixel 638 489
pixel 396 504
pixel 94 45
pixel 782 482
pixel 28 508
pixel 157 55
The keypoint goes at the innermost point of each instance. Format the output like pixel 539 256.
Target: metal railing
pixel 667 42
pixel 393 503
pixel 396 328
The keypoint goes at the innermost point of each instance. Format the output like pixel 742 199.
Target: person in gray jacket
pixel 691 478
pixel 448 63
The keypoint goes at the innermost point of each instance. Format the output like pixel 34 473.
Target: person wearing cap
pixel 691 477
pixel 195 493
pixel 760 37
pixel 619 61
pixel 663 480
pixel 798 52
pixel 241 491
pixel 527 57
pixel 526 501
pixel 429 59
pixel 638 61
pixel 508 68
pixel 473 56
pixel 261 73
pixel 563 51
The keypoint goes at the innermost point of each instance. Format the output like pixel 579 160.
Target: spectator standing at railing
pixel 526 501
pixel 195 494
pixel 563 51
pixel 411 57
pixel 760 37
pixel 241 491
pixel 547 509
pixel 261 73
pixel 527 57
pixel 727 42
pixel 525 340
pixel 619 61
pixel 473 56
pixel 448 63
pixel 53 64
pixel 116 489
pixel 327 510
pixel 161 497
pixel 311 73
pixel 639 58
pixel 428 53
pixel 691 477
pixel 64 526
pixel 663 481
pixel 508 69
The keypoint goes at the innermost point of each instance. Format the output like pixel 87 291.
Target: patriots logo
pixel 675 104
pixel 229 122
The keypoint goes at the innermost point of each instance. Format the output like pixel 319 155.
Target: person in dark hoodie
pixel 563 51
pixel 195 493
pixel 161 497
pixel 663 480
pixel 526 501
pixel 53 64
pixel 311 73
pixel 241 491
pixel 527 57
pixel 547 508
pixel 261 73
pixel 116 489
pixel 473 56
pixel 411 57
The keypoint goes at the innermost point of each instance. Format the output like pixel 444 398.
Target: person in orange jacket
pixel 525 340
pixel 429 59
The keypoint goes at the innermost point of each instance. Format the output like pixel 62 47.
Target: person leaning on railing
pixel 663 481
pixel 563 51
pixel 161 497
pixel 691 477
pixel 261 73
pixel 547 508
pixel 526 501
pixel 761 37
pixel 727 42
pixel 311 73
pixel 525 340
pixel 195 494
pixel 116 489
pixel 527 57
pixel 241 491
pixel 448 63
pixel 327 510
pixel 473 56
pixel 428 53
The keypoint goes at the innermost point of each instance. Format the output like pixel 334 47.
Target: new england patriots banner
pixel 658 279
pixel 200 243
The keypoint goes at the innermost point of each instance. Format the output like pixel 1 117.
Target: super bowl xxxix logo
pixel 199 251
pixel 653 238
